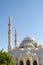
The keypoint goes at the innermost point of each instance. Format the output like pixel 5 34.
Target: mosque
pixel 28 53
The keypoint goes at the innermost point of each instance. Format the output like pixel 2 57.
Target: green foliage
pixel 5 58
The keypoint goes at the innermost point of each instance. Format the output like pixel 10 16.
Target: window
pixel 28 62
pixel 34 62
pixel 21 63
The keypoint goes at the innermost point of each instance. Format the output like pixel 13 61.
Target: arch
pixel 27 62
pixel 21 62
pixel 34 62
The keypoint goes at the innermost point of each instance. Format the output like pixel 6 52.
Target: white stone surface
pixel 28 52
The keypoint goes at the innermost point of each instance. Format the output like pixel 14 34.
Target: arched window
pixel 39 64
pixel 28 62
pixel 21 62
pixel 34 62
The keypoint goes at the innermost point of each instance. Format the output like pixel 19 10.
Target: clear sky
pixel 27 17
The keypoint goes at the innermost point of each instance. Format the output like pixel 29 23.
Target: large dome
pixel 29 38
pixel 28 41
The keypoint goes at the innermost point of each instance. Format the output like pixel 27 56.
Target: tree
pixel 5 58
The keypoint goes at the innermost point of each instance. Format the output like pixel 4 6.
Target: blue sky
pixel 27 17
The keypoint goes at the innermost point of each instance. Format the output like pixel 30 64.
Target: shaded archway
pixel 28 62
pixel 21 62
pixel 34 62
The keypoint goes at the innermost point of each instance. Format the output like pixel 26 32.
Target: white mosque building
pixel 28 53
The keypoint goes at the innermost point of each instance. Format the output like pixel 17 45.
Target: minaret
pixel 10 34
pixel 16 38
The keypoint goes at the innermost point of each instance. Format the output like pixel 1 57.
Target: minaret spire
pixel 16 38
pixel 10 34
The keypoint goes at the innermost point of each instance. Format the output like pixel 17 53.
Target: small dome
pixel 21 49
pixel 27 52
pixel 35 54
pixel 28 41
